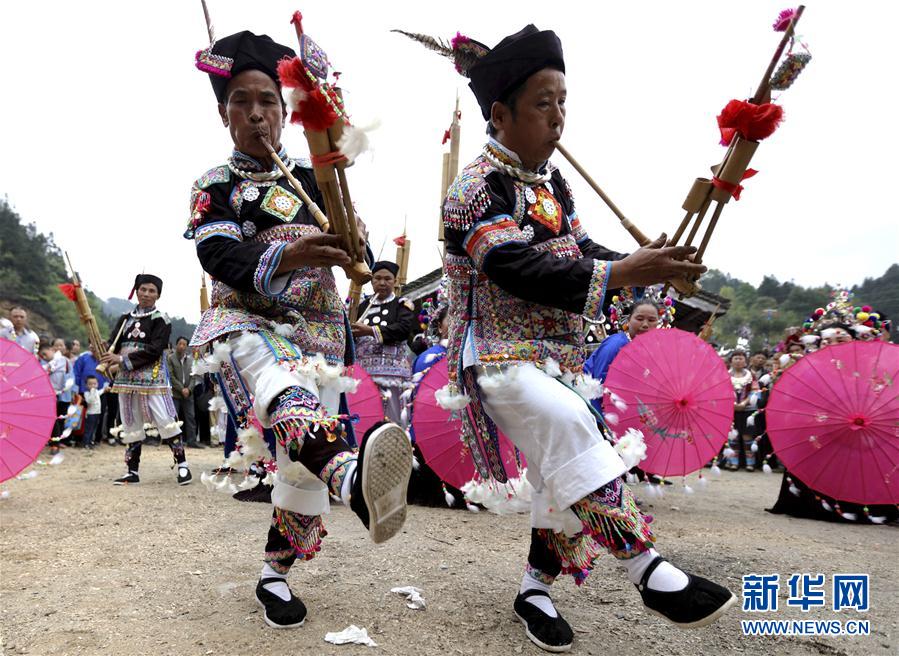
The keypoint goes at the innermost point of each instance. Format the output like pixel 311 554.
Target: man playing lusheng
pixel 522 272
pixel 141 379
pixel 278 328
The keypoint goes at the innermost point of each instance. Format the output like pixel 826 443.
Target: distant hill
pixel 763 313
pixel 31 267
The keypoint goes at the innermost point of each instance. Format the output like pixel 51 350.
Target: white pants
pixel 567 456
pixel 140 409
pixel 296 488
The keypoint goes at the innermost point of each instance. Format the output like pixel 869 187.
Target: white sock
pixel 278 588
pixel 347 486
pixel 665 578
pixel 545 604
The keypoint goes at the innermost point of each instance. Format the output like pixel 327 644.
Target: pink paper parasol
pixel 679 394
pixel 833 420
pixel 27 408
pixel 366 401
pixel 438 434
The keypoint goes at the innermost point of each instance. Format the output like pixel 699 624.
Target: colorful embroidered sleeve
pixel 596 291
pixel 264 280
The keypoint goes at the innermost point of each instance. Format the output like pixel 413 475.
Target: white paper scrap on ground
pixel 414 600
pixel 350 635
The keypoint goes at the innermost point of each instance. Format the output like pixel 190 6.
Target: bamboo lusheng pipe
pixel 727 167
pixel 358 271
pixel 204 294
pixel 314 209
pixel 101 368
pixel 85 313
pixel 636 233
pixel 355 297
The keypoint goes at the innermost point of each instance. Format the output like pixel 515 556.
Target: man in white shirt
pixel 19 331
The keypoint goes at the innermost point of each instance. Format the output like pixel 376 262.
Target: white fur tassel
pixel 852 517
pixel 631 447
pixel 703 482
pixel 729 453
pixel 450 499
pixel 618 402
pixel 415 464
pixel 754 447
pixel 588 387
pixel 354 140
pixel 284 329
pixel 688 489
pixel 716 470
pixel 552 369
pixel 612 419
pixel 632 478
pixel 472 508
pixel 826 505
pixel 295 98
pixel 794 490
pixel 449 398
pixel 766 468
pixel 877 519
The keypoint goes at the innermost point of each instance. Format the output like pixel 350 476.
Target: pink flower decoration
pixel 783 20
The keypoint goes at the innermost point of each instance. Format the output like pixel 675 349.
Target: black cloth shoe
pixel 186 477
pixel 381 480
pixel 279 614
pixel 262 493
pixel 131 478
pixel 699 604
pixel 549 633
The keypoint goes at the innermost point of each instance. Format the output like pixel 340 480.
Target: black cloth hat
pixel 241 52
pixel 511 62
pixel 386 264
pixel 145 278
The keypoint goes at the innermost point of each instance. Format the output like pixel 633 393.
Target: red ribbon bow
pixel 733 189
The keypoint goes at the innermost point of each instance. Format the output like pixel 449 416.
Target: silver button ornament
pixel 250 193
pixel 530 196
pixel 248 228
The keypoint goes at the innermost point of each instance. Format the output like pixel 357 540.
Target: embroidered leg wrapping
pixel 316 440
pixel 334 473
pixel 177 447
pixel 611 522
pixel 303 535
pixel 132 456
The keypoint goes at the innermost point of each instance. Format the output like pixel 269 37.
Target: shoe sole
pixel 272 624
pixel 385 480
pixel 186 482
pixel 705 621
pixel 122 483
pixel 556 649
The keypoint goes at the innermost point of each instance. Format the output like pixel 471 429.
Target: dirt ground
pixel 88 568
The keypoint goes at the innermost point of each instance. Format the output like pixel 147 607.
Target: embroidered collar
pixel 244 166
pixel 510 163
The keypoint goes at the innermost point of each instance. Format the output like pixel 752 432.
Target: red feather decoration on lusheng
pixel 68 289
pixel 753 122
pixel 313 112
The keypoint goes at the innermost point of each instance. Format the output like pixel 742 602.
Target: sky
pixel 106 123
